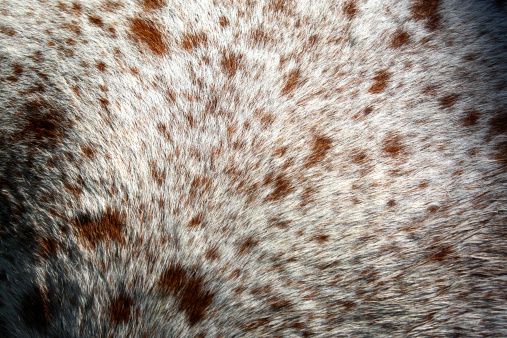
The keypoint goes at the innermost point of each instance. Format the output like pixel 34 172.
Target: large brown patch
pixel 108 226
pixel 147 35
pixel 427 10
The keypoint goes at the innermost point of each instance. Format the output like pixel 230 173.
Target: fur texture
pixel 213 168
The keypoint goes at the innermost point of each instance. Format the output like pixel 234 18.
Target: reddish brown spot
pixel 7 31
pixel 153 4
pixel 148 35
pixel 391 203
pixel 432 209
pixel 381 80
pixel 321 238
pixel 108 226
pixel 195 221
pixel 44 122
pixel 259 36
pixel 191 41
pixel 223 21
pixel 442 254
pixel 88 152
pixel 471 118
pixel 121 309
pixel 162 128
pixel 291 82
pixel 156 174
pixel 212 254
pixel 320 147
pixel 247 245
pixel 400 38
pixel 48 247
pixel 278 5
pixel 18 69
pixel 101 66
pixel 283 186
pixel 34 310
pixel 193 298
pixel 96 20
pixel 350 9
pixel 427 10
pixel 76 7
pixel 278 303
pixel 448 101
pixel 230 63
pixel 393 145
pixel 359 157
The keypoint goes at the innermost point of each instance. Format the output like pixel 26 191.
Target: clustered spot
pixel 189 289
pixel 448 101
pixel 400 38
pixel 291 82
pixel 101 66
pixel 110 225
pixel 350 9
pixel 34 309
pixel 7 31
pixel 259 36
pixel 381 80
pixel 320 147
pixel 442 254
pixel 120 309
pixel 278 5
pixel 147 34
pixel 88 152
pixel 393 145
pixel 427 10
pixel 195 221
pixel 191 41
pixel 230 63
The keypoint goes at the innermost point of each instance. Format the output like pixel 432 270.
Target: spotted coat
pixel 248 168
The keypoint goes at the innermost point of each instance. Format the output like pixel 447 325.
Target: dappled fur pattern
pixel 283 168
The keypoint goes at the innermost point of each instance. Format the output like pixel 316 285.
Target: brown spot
pixel 212 254
pixel 448 101
pixel 18 69
pixel 247 245
pixel 259 36
pixel 96 20
pixel 44 122
pixel 320 147
pixel 400 38
pixel 223 21
pixel 278 5
pixel 76 7
pixel 153 4
pixel 277 303
pixel 48 247
pixel 442 254
pixel 121 309
pixel 423 185
pixel 381 80
pixel 432 209
pixel 291 82
pixel 162 128
pixel 190 291
pixel 230 63
pixel 427 10
pixel 7 31
pixel 470 118
pixel 101 66
pixel 34 310
pixel 350 9
pixel 393 145
pixel 108 226
pixel 359 157
pixel 104 103
pixel 147 34
pixel 191 41
pixel 391 203
pixel 195 221
pixel 88 151
pixel 498 124
pixel 282 185
pixel 156 174
pixel 321 238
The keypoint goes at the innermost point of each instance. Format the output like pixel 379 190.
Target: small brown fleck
pixel 393 145
pixel 230 63
pixel 212 254
pixel 391 203
pixel 432 209
pixel 320 147
pixel 442 254
pixel 18 69
pixel 321 238
pixel 247 245
pixel 88 151
pixel 121 309
pixel 224 22
pixel 48 247
pixel 350 9
pixel 195 221
pixel 471 118
pixel 153 4
pixel 400 38
pixel 191 41
pixel 7 31
pixel 291 82
pixel 101 66
pixel 448 101
pixel 381 80
pixel 283 186
pixel 96 20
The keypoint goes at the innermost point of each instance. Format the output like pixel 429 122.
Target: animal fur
pixel 252 168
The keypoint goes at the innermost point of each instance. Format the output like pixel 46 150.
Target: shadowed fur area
pixel 249 168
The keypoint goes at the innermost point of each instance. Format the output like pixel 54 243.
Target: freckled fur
pixel 253 168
